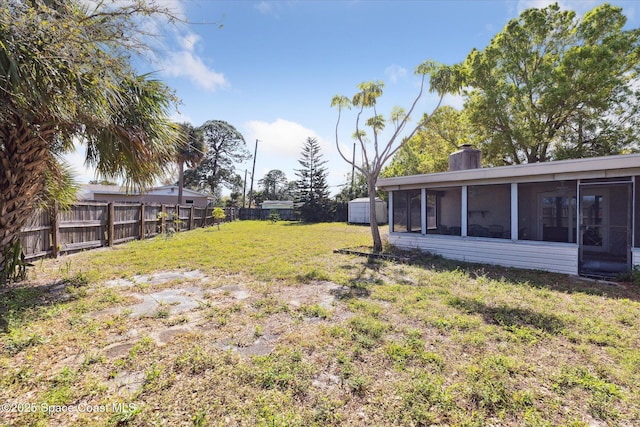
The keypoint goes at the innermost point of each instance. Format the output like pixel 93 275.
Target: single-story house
pixel 578 217
pixel 167 195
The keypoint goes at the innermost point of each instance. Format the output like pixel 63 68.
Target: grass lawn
pixel 282 331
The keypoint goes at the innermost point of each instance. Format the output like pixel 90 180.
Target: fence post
pixel 163 219
pixel 191 214
pixel 55 230
pixel 142 230
pixel 111 229
pixel 177 223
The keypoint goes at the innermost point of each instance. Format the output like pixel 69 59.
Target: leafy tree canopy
pixel 360 188
pixel 429 149
pixel 275 185
pixel 225 146
pixel 190 152
pixel 551 85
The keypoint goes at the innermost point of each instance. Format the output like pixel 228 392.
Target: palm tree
pixel 64 78
pixel 191 153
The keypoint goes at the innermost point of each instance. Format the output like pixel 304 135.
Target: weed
pixel 14 265
pixel 425 401
pixel 141 347
pixel 314 310
pixel 200 418
pixel 285 371
pixel 124 417
pixel 368 326
pixel 268 306
pixel 491 384
pixel 176 320
pixel 258 331
pixel 78 280
pixel 93 358
pixel 358 384
pixel 195 360
pixel 326 411
pixel 162 313
pixel 110 296
pixel 151 380
pixel 313 275
pixel 603 393
pixel 18 340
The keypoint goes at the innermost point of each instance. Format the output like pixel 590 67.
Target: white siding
pixel 554 257
pixel 635 257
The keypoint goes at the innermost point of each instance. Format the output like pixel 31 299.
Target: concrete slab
pixel 177 301
pixel 158 278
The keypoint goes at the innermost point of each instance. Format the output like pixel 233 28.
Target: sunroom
pixel 575 217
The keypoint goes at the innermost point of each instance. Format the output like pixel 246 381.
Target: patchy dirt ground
pixel 166 305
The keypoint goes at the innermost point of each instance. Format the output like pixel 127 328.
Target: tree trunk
pixel 23 160
pixel 180 180
pixel 373 219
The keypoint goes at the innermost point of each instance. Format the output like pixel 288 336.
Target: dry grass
pixel 286 332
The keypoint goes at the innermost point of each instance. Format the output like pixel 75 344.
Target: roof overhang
pixel 562 170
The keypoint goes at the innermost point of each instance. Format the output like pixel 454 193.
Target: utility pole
pixel 253 171
pixel 244 189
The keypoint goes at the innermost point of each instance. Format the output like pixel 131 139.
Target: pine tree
pixel 313 190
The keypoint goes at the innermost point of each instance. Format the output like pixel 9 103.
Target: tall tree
pixel 274 185
pixel 313 190
pixel 376 153
pixel 550 82
pixel 225 147
pixel 429 149
pixel 190 152
pixel 65 76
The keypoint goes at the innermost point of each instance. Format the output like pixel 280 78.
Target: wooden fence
pixel 95 224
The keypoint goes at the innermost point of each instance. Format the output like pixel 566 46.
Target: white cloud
pixel 281 137
pixel 268 8
pixel 187 64
pixel 395 72
pixel 455 101
pixel 179 117
pixel 188 42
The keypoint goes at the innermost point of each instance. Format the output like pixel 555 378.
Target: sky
pixel 271 68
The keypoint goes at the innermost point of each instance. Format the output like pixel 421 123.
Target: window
pixel 189 202
pixel 489 211
pixel 407 211
pixel 443 211
pixel 547 211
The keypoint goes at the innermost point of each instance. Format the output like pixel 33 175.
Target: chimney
pixel 465 158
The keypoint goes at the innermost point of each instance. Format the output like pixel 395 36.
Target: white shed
pixel 359 211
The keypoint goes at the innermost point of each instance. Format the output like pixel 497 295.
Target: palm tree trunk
pixel 180 180
pixel 23 159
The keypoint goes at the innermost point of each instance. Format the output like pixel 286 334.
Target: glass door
pixel 605 229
